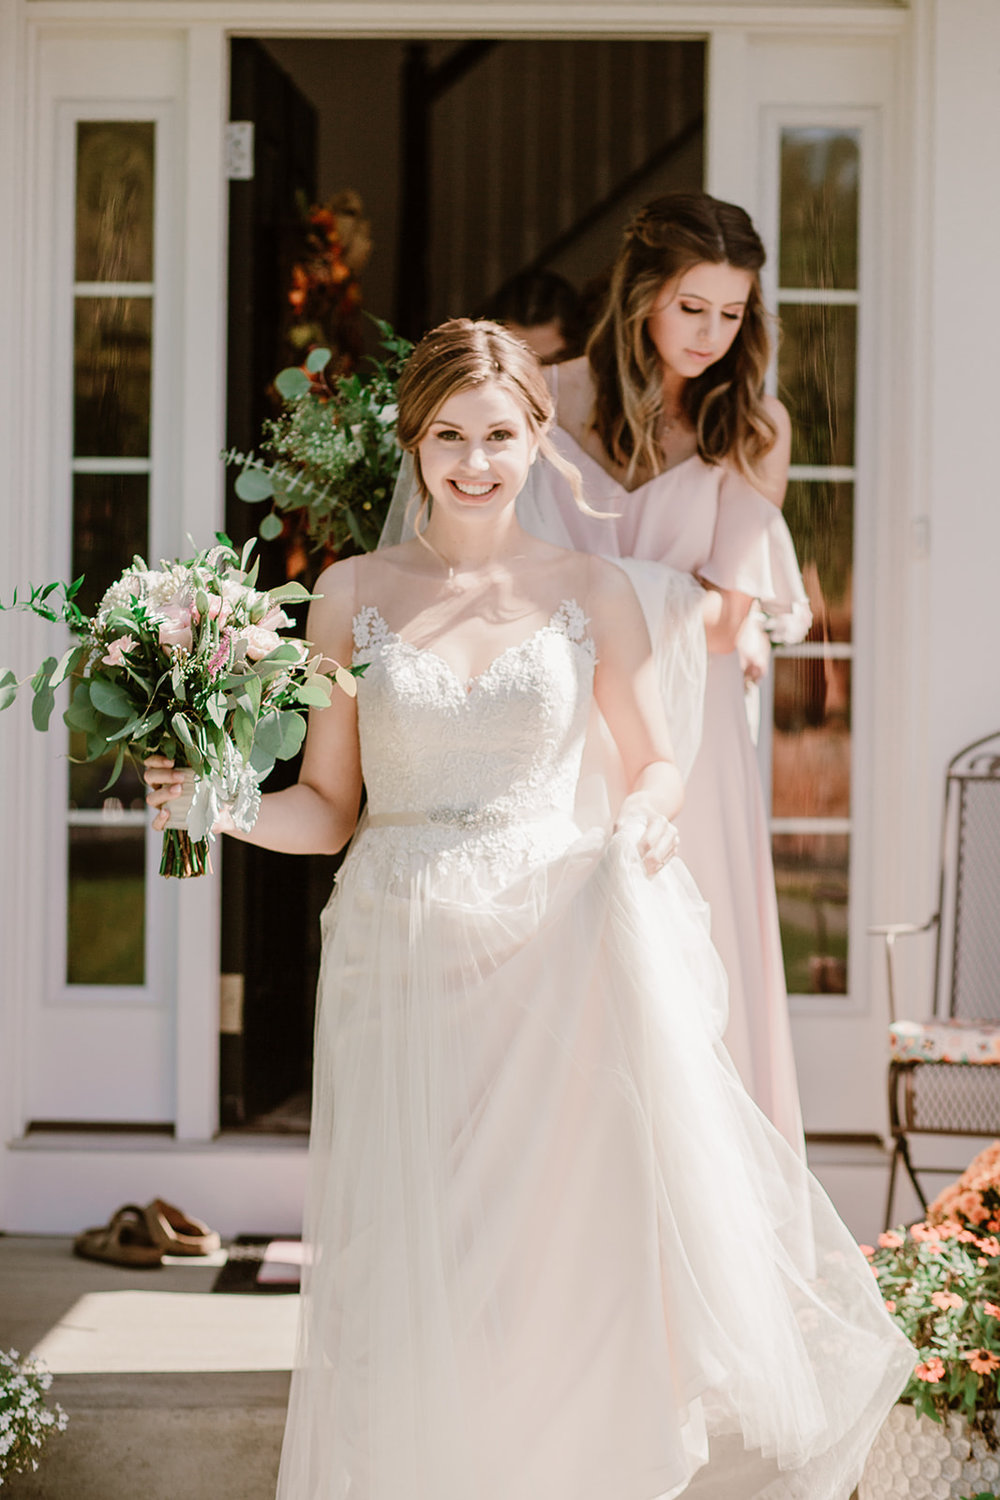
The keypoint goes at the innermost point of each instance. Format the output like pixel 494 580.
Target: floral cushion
pixel 945 1041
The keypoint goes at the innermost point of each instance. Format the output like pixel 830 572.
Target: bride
pixel 555 1252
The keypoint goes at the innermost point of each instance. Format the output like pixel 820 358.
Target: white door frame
pixel 34 1173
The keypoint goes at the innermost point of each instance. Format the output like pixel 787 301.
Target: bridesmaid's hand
pixel 164 783
pixel 754 648
pixel 656 838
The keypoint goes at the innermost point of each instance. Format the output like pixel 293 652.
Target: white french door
pixel 824 188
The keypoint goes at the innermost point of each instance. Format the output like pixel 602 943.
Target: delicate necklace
pixel 422 537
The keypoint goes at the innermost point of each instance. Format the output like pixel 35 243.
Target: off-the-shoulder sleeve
pixel 753 553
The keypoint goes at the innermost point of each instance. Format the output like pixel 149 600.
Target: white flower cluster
pixel 25 1420
pixel 156 587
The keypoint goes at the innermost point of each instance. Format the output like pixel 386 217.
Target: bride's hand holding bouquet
pixel 186 664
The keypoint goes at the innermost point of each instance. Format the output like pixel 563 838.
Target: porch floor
pixel 171 1391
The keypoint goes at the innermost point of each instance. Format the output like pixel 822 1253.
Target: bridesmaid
pixel 667 418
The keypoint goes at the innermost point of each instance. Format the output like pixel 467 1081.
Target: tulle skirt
pixel 555 1251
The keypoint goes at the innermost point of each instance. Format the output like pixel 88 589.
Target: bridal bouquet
pixel 186 661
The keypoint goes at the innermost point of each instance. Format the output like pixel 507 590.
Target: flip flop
pixel 123 1241
pixel 175 1233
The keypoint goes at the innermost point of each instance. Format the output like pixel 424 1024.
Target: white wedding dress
pixel 555 1252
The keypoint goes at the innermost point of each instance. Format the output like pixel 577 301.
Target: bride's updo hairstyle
pixel 725 403
pixel 459 355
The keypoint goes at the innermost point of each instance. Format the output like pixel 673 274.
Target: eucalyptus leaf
pixel 317 360
pixel 271 526
pixel 280 734
pixel 110 699
pixel 261 762
pixel 215 707
pixel 286 652
pixel 41 679
pixel 126 733
pixel 242 730
pixel 97 745
pixel 81 714
pixel 347 681
pixel 179 725
pixel 248 695
pixel 290 591
pixel 42 705
pixel 117 770
pixel 292 383
pixel 317 694
pixel 68 663
pixel 254 485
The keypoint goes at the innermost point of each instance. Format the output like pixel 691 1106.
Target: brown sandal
pixel 124 1241
pixel 175 1233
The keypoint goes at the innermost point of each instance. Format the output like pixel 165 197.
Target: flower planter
pixel 915 1458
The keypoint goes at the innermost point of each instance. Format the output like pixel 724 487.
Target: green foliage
pixel 941 1283
pixel 331 454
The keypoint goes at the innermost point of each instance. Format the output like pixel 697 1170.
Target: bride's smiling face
pixel 477 451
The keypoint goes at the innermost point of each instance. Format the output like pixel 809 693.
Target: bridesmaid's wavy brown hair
pixel 724 404
pixel 460 355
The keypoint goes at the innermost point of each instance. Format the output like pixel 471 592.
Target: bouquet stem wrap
pixel 182 855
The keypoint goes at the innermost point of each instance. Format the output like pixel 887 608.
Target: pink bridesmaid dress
pixel 705 519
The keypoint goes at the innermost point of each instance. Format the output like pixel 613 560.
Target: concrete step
pixel 200 1436
pixel 171 1390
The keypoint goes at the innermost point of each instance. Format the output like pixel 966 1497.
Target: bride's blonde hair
pixel 464 353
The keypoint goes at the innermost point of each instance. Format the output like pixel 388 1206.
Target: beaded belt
pixel 488 816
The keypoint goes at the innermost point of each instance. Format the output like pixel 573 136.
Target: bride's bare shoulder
pixel 332 611
pixel 612 599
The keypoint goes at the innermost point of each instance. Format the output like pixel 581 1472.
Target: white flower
pixel 236 788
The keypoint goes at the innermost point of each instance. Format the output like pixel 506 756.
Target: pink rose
pixel 275 619
pixel 116 650
pixel 176 627
pixel 260 642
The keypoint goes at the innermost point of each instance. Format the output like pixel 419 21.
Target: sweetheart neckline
pixel 673 469
pixel 469 684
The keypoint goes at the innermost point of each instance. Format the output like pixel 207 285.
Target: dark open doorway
pixel 474 160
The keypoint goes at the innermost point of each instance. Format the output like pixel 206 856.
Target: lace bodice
pixel 477 770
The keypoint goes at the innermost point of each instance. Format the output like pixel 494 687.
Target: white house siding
pixel 934 536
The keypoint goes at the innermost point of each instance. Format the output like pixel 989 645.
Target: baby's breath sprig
pixel 26 1421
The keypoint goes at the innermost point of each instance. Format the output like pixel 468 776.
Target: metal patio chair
pixel 944 1073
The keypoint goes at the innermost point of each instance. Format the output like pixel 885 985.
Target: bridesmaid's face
pixel 697 316
pixel 477 451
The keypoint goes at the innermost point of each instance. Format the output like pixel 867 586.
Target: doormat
pixel 260 1263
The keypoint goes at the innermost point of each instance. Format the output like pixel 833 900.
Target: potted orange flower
pixel 940 1280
